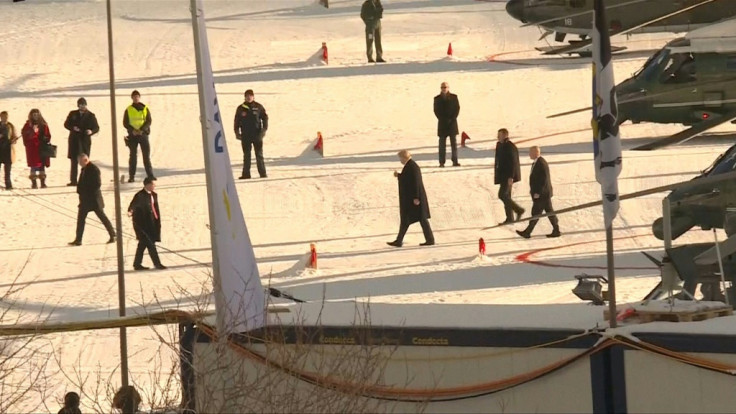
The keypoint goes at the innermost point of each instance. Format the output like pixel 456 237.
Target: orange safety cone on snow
pixel 449 49
pixel 324 52
pixel 318 146
pixel 481 247
pixel 464 137
pixel 312 256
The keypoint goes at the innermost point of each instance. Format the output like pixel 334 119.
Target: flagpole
pixel 207 162
pixel 118 213
pixel 611 277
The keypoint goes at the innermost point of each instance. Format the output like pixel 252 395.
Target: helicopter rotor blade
pixel 688 134
pixel 653 260
pixel 683 184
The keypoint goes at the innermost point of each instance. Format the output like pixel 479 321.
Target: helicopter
pixel 691 81
pixel 563 17
pixel 706 206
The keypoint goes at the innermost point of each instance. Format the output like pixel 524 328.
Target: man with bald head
pixel 90 199
pixel 446 109
pixel 541 191
pixel 413 204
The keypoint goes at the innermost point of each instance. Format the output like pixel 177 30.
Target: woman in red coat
pixel 34 131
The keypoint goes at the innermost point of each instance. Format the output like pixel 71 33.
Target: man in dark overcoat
pixel 446 109
pixel 90 199
pixel 82 124
pixel 507 172
pixel 146 223
pixel 540 185
pixel 413 205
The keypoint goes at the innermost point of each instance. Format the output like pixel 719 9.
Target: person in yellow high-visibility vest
pixel 137 120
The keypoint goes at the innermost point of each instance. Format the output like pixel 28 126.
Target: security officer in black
pixel 251 123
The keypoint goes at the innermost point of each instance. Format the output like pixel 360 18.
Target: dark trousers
pixel 373 33
pixel 509 205
pixel 426 229
pixel 82 216
pixel 443 150
pixel 133 142
pixel 6 166
pixel 542 204
pixel 257 146
pixel 143 244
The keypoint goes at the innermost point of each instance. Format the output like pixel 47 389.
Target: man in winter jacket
pixel 371 13
pixel 507 172
pixel 146 223
pixel 446 109
pixel 413 205
pixel 90 199
pixel 251 123
pixel 82 124
pixel 137 121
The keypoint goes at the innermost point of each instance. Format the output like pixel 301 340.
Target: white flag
pixel 239 294
pixel 606 140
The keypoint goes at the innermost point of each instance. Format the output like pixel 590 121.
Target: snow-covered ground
pixel 346 202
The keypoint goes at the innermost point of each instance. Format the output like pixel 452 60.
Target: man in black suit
pixel 90 199
pixel 446 109
pixel 82 124
pixel 507 172
pixel 146 223
pixel 540 184
pixel 413 204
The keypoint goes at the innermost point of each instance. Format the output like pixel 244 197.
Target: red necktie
pixel 153 208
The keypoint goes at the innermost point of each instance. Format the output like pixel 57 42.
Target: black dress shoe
pixel 244 177
pixel 139 267
pixel 160 267
pixel 72 184
pixel 555 233
pixel 519 214
pixel 111 239
pixel 394 243
pixel 380 60
pixel 371 61
pixel 264 176
pixel 131 179
pixel 503 223
pixel 75 243
pixel 427 243
pixel 457 164
pixel 523 234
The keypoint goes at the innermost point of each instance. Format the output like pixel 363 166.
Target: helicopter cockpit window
pixel 723 164
pixel 649 70
pixel 680 69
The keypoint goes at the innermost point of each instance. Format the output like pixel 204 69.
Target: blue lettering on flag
pixel 218 136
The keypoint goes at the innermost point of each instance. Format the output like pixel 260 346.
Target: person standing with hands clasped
pixel 540 185
pixel 82 124
pixel 446 109
pixel 507 172
pixel 137 121
pixel 146 223
pixel 251 124
pixel 8 137
pixel 371 13
pixel 413 205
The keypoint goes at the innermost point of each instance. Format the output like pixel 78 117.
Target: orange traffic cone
pixel 481 247
pixel 464 137
pixel 318 146
pixel 312 256
pixel 324 52
pixel 449 49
